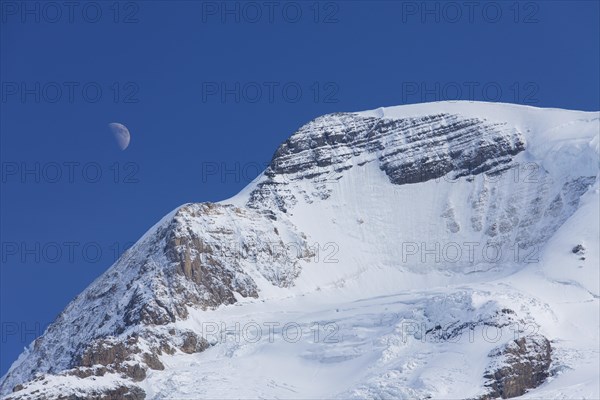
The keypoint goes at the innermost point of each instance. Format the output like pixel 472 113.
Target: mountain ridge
pixel 334 172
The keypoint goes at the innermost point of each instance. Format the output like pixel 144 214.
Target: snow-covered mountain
pixel 439 250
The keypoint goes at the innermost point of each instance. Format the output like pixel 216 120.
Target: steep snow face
pixel 367 213
pixel 417 143
pixel 439 188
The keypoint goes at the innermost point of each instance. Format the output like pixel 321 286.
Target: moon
pixel 121 134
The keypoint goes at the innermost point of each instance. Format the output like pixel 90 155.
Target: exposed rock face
pixel 409 150
pixel 442 148
pixel 130 358
pixel 115 356
pixel 578 249
pixel 522 364
pixel 194 259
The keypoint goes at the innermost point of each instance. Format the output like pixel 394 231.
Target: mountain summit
pixel 446 249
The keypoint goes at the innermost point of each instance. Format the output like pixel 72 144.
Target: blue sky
pixel 208 91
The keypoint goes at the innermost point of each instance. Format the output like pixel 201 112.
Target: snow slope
pixel 392 253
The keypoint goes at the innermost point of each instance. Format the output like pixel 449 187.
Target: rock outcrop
pixel 522 364
pixel 409 150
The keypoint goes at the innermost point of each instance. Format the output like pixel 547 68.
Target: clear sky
pixel 208 91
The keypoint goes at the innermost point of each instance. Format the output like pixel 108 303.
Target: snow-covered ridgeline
pixel 362 198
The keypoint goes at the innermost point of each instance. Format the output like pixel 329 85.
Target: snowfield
pixel 435 250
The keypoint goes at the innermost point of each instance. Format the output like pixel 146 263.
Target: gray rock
pixel 522 364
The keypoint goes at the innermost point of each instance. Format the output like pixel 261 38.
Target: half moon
pixel 121 134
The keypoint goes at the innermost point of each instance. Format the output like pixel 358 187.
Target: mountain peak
pixel 353 206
